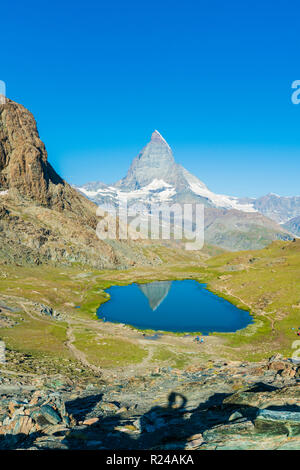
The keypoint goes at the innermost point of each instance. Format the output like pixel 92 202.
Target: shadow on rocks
pixel 173 426
pixel 170 427
pixel 81 407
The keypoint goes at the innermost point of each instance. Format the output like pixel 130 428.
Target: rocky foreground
pixel 214 406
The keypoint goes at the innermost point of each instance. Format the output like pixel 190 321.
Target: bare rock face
pixel 24 168
pixel 23 157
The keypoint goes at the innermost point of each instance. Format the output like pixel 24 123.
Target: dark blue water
pixel 178 306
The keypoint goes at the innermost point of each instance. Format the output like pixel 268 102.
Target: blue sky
pixel 213 77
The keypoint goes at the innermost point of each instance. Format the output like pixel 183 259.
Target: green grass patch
pixel 177 360
pixel 108 352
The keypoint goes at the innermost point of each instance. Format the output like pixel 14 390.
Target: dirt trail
pixel 263 313
pixel 80 356
pixel 34 317
pixel 170 342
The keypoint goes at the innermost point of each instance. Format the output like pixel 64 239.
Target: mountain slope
pixel 155 177
pixel 235 230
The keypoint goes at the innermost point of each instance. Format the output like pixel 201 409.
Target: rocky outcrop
pixel 24 420
pixel 24 168
pixel 23 157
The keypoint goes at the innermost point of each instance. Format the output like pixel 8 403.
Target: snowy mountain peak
pixel 154 175
pixel 155 161
pixel 157 137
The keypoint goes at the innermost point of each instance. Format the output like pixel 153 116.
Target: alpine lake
pixel 172 306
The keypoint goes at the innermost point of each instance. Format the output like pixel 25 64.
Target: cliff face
pixel 42 218
pixel 23 157
pixel 25 170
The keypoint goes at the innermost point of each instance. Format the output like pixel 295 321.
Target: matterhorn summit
pixel 155 161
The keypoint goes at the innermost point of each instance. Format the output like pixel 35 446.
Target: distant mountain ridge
pixel 155 177
pixel 279 208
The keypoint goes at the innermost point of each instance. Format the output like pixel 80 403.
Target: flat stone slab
pixel 278 422
pixel 286 416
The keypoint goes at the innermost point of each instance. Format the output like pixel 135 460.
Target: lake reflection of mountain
pixel 187 307
pixel 156 292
